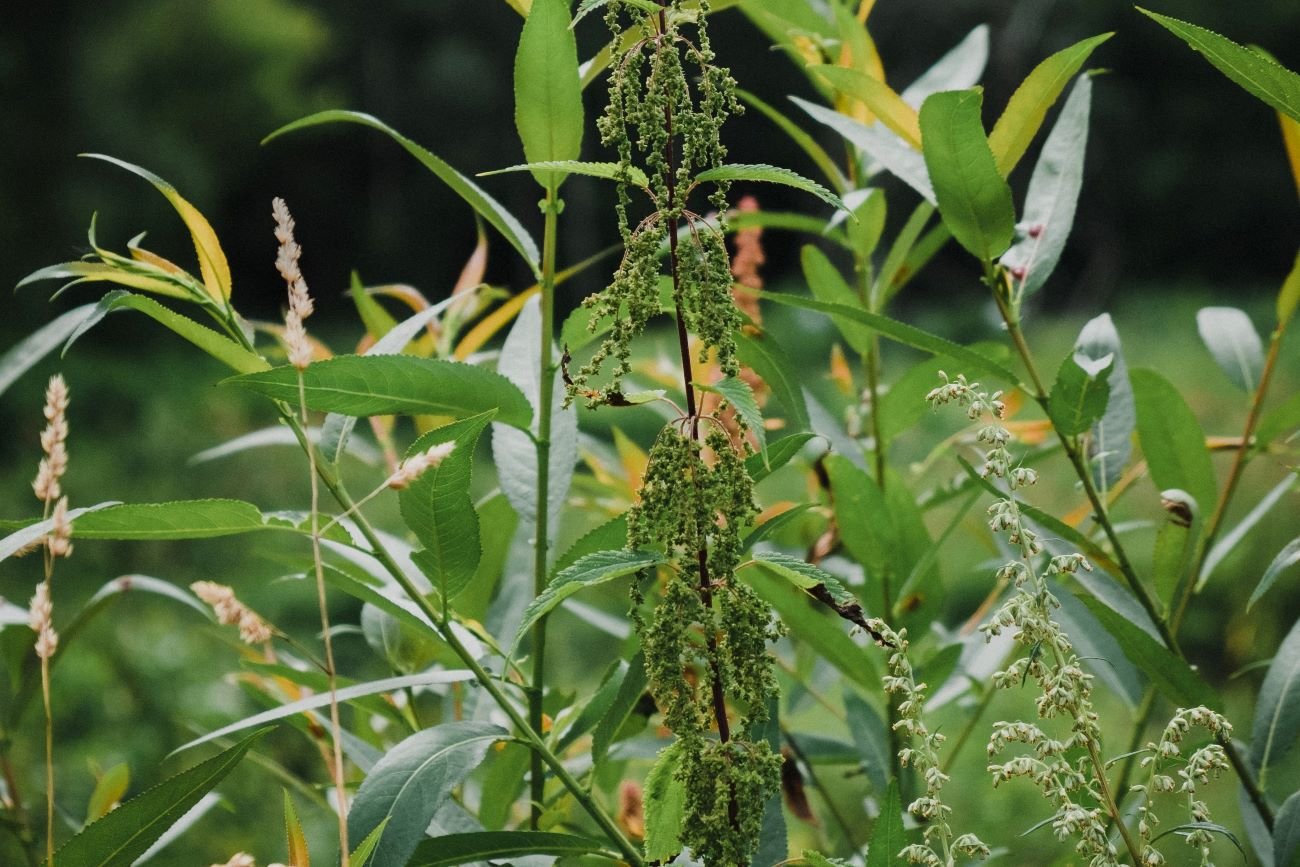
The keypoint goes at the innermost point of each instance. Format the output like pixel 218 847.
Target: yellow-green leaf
pixel 1289 296
pixel 1027 108
pixel 212 259
pixel 89 272
pixel 879 97
pixel 1291 139
pixel 297 840
pixel 109 789
pixel 548 90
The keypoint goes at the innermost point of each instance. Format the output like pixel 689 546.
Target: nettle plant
pixel 746 606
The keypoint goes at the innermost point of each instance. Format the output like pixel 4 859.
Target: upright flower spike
pixel 41 619
pixel 300 303
pixel 53 442
pixel 230 611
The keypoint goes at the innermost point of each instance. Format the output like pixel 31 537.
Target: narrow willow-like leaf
pixel 31 533
pixel 106 272
pixel 122 836
pixel 902 333
pixel 452 849
pixel 1053 194
pixel 548 89
pixel 1278 421
pixel 438 509
pixel 1277 709
pixel 665 807
pixel 1110 443
pixel 1260 76
pixel 108 791
pixel 486 206
pixel 974 200
pixel 807 143
pixel 1233 341
pixel 180 519
pixel 604 171
pixel 407 785
pixel 212 260
pixel 888 837
pixel 365 850
pixel 513 451
pixel 960 69
pixel 1285 559
pixel 770 175
pixel 220 347
pixel 764 355
pixel 283 436
pixel 1170 674
pixel 826 284
pixel 296 840
pixel 877 96
pixel 395 384
pixel 1288 297
pixel 1099 650
pixel 880 144
pixel 373 687
pixel 1172 439
pixel 778 455
pixel 1027 108
pixel 631 688
pixel 40 343
pixel 591 570
pixel 1286 832
pixel 870 740
pixel 596 707
pixel 740 396
pixel 1080 394
pixel 1231 539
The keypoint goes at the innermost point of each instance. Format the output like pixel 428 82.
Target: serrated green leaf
pixel 806 142
pixel 407 785
pixel 122 836
pixel 1170 674
pixel 974 199
pixel 740 396
pixel 1172 439
pixel 765 357
pixel 548 89
pixel 827 285
pixel 1285 559
pixel 362 854
pixel 1053 194
pixel 779 453
pixel 1260 76
pixel 180 519
pixel 452 849
pixel 590 571
pixel 392 385
pixel 605 171
pixel 817 583
pixel 1277 708
pixel 298 856
pixel 1233 341
pixel 665 807
pixel 1080 395
pixel 40 343
pixel 888 837
pixel 486 206
pixel 1027 108
pixel 438 509
pixel 631 687
pixel 900 332
pixel 770 175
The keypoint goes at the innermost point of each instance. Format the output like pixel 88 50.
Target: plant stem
pixel 545 398
pixel 331 671
pixel 845 828
pixel 1099 770
pixel 49 764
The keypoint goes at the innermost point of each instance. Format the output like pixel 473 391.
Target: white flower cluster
pixel 300 304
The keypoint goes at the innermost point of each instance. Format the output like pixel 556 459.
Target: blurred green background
pixel 1188 202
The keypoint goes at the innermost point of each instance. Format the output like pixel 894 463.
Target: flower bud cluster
pixel 416 465
pixel 1204 763
pixel 939 845
pixel 53 442
pixel 231 612
pixel 300 304
pixel 40 618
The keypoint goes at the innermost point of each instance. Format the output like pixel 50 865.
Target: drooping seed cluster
pixel 300 303
pixel 231 612
pixel 940 846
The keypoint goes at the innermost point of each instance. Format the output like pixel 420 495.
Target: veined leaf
pixel 631 688
pixel 605 171
pixel 361 855
pixel 1286 832
pixel 486 206
pixel 878 97
pixel 1172 439
pixel 407 785
pixel 816 582
pixel 974 200
pixel 1260 76
pixel 870 738
pixel 1288 297
pixel 1170 674
pixel 740 397
pixel 453 849
pixel 395 384
pixel 665 807
pixel 37 530
pixel 589 571
pixel 1027 108
pixel 1111 441
pixel 1080 395
pixel 297 841
pixel 1277 709
pixel 960 69
pixel 826 284
pixel 878 143
pixel 770 175
pixel 1052 196
pixel 779 454
pixel 888 837
pixel 1285 559
pixel 806 142
pixel 901 333
pixel 122 836
pixel 1233 341
pixel 212 260
pixel 347 693
pixel 179 519
pixel 40 343
pixel 109 789
pixel 91 272
pixel 438 509
pixel 548 89
pixel 764 355
pixel 1231 539
pixel 220 347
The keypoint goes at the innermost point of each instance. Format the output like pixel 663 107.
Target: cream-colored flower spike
pixel 413 467
pixel 300 303
pixel 239 859
pixel 40 618
pixel 231 612
pixel 53 442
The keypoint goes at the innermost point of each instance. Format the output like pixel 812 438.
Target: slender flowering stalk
pixel 300 307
